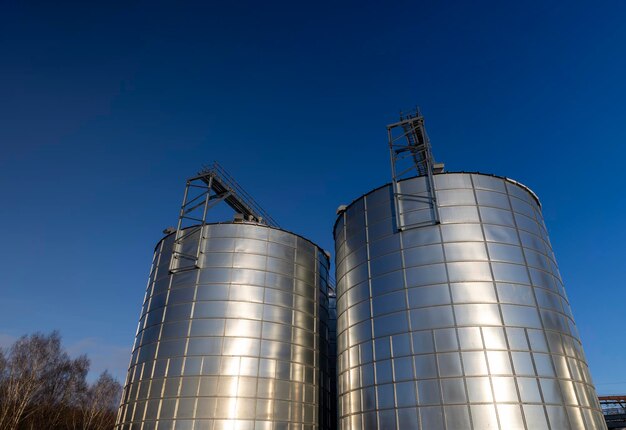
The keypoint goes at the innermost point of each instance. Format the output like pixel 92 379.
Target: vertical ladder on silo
pixel 188 206
pixel 215 186
pixel 413 143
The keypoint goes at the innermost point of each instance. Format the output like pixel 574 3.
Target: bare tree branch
pixel 41 386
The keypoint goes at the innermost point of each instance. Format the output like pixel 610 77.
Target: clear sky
pixel 106 109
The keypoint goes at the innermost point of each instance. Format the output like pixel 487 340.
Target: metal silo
pixel 451 310
pixel 233 330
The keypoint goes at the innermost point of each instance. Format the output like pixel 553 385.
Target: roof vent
pixel 341 209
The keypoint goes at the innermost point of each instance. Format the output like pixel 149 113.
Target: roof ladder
pixel 210 187
pixel 411 153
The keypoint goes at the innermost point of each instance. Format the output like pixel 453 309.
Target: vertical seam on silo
pixel 506 339
pixel 410 333
pixel 193 306
pixel 165 309
pixel 371 303
pixel 543 329
pixel 341 413
pixel 456 326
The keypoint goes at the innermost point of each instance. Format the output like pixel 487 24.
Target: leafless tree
pixel 101 400
pixel 3 366
pixel 62 391
pixel 42 387
pixel 31 360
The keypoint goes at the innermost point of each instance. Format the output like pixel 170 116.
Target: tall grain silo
pixel 233 332
pixel 451 310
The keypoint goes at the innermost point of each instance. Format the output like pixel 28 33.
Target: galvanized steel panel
pixel 460 325
pixel 241 342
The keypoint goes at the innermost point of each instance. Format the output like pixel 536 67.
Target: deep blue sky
pixel 106 109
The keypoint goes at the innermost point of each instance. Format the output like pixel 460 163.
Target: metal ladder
pixel 210 187
pixel 411 147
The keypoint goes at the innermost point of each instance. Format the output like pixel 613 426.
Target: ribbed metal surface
pixel 460 325
pixel 240 343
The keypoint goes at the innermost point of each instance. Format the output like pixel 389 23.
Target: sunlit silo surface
pixel 238 343
pixel 460 324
